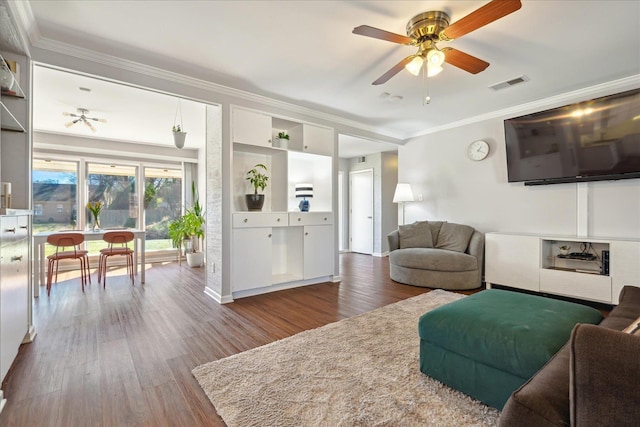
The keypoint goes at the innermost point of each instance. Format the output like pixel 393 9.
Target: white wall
pixel 457 189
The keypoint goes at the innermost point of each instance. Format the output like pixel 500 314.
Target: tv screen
pixel 587 141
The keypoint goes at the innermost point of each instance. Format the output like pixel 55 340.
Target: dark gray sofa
pixel 594 380
pixel 437 254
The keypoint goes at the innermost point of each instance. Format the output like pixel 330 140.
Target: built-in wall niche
pixel 316 170
pixel 244 159
pixel 574 255
pixel 284 125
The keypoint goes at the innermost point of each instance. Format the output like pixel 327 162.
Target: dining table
pixel 40 240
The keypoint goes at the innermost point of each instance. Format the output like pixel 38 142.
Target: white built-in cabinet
pixel 15 221
pixel 535 263
pixel 14 287
pixel 280 246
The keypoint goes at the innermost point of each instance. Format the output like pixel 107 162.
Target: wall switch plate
pixel 419 197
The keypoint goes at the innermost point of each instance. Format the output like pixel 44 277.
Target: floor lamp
pixel 403 194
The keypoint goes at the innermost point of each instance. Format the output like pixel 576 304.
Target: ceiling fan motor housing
pixel 427 25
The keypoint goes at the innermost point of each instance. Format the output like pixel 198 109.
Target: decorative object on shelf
pixel 478 150
pixel 564 249
pixel 7 79
pixel 283 135
pixel 95 208
pixel 178 134
pixel 304 190
pixel 187 231
pixel 5 196
pixel 259 180
pixel 82 117
pixel 403 194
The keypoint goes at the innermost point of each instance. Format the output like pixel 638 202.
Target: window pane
pixel 115 187
pixel 54 195
pixel 162 204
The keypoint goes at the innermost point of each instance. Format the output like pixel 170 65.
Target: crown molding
pixel 159 73
pixel 626 83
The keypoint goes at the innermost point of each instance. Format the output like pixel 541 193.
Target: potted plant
pixel 283 139
pixel 187 231
pixel 259 180
pixel 178 136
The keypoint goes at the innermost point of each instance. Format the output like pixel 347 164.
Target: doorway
pixel 361 211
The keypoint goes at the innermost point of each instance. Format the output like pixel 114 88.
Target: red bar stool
pixel 118 245
pixel 63 241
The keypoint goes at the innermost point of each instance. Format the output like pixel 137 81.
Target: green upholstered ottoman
pixel 490 343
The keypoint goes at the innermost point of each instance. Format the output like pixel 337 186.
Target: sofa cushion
pixel 433 259
pixel 454 237
pixel 416 235
pixel 435 227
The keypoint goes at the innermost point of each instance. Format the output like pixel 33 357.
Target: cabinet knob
pixel 269 234
pixel 10 230
pixel 299 219
pixel 245 220
pixel 278 220
pixel 24 227
pixel 325 218
pixel 16 258
pixel 269 141
pixel 306 146
pixel 306 233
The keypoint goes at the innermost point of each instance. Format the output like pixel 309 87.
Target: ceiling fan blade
pixel 488 13
pixel 376 33
pixel 464 61
pixel 393 71
pixel 89 125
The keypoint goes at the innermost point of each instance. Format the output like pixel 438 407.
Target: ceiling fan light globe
pixel 433 70
pixel 68 125
pixel 414 66
pixel 435 57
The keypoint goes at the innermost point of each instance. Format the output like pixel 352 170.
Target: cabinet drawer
pixel 310 218
pixel 260 219
pixel 593 287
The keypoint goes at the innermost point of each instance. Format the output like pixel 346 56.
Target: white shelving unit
pixel 535 263
pixel 280 246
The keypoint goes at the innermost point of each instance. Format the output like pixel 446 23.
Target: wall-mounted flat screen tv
pixel 587 141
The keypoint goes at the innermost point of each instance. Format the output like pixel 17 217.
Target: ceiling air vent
pixel 509 83
pixel 361 159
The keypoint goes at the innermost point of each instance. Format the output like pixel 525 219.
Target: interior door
pixel 361 211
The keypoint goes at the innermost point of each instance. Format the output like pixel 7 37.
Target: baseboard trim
pixel 30 335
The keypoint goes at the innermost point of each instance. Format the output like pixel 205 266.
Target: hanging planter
pixel 178 134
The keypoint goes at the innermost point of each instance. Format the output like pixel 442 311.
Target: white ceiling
pixel 304 52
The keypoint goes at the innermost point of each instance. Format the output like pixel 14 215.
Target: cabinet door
pixel 248 127
pixel 624 266
pixel 14 292
pixel 513 260
pixel 251 258
pixel 317 140
pixel 318 251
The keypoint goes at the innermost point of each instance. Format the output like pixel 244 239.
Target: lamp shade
pixel 304 190
pixel 403 193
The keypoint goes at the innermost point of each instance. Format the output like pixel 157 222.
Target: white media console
pixel 535 263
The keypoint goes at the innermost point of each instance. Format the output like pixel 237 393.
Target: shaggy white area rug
pixel 361 371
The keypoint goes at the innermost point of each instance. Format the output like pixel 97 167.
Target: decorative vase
pixel 96 223
pixel 254 201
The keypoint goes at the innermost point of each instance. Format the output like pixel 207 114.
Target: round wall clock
pixel 478 150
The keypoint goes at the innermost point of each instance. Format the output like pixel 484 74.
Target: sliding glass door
pixel 162 204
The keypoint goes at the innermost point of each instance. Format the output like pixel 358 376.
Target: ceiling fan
pixel 426 29
pixel 82 117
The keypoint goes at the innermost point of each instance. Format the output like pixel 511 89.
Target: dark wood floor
pixel 124 355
